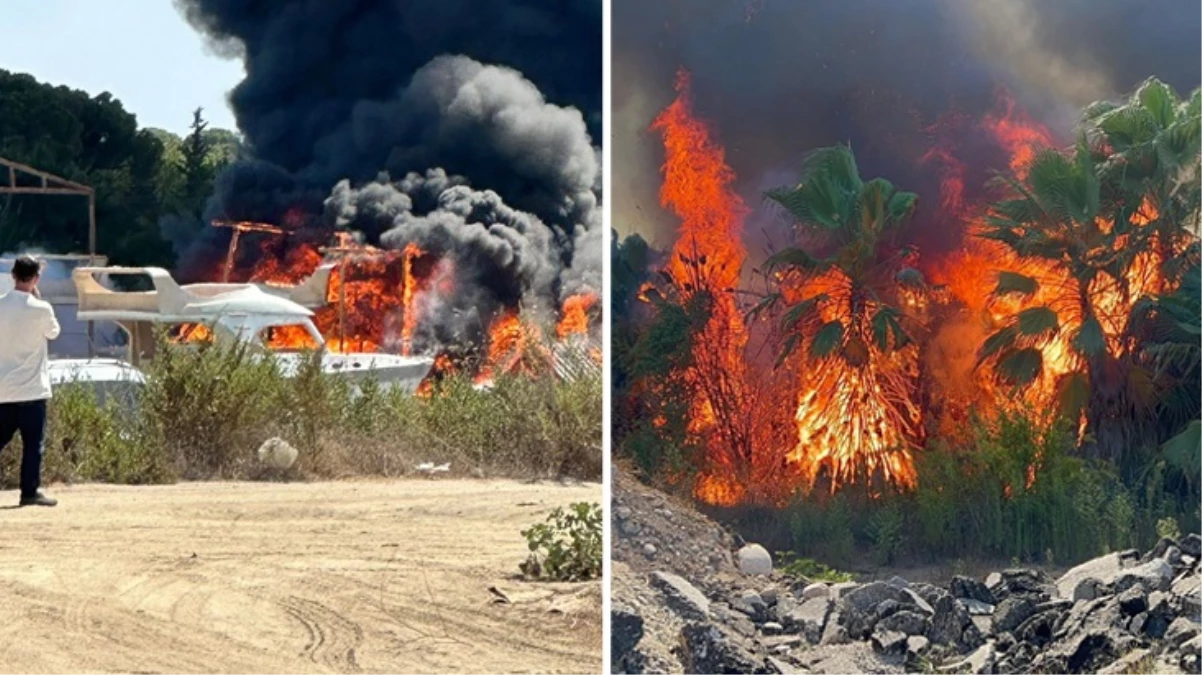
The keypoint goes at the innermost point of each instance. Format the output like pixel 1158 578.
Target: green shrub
pixel 1167 528
pixel 788 563
pixel 978 502
pixel 567 547
pixel 206 409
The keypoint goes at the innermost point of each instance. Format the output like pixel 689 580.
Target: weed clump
pixel 205 409
pixel 567 547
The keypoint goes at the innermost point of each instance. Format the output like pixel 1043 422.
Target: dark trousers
pixel 29 418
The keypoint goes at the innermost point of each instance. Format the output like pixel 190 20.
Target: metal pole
pixel 342 303
pixel 229 256
pixel 91 262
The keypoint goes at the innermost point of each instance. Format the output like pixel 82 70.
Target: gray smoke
pixel 343 92
pixel 510 252
pixel 548 245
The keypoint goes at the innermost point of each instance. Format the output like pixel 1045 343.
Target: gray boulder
pixel 625 631
pixel 682 597
pixel 1011 612
pixel 809 618
pixel 710 649
pixel 967 587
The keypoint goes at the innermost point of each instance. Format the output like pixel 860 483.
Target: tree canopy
pixel 139 174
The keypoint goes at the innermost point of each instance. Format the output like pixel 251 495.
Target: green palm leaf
pixel 1184 451
pixel 1089 339
pixel 1013 282
pixel 1021 367
pixel 1038 322
pixel 1000 341
pixel 793 257
pixel 827 340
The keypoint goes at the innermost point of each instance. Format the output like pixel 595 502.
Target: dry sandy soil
pixel 300 578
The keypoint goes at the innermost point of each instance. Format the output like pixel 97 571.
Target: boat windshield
pixel 289 338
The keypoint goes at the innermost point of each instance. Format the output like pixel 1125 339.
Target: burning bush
pixel 1058 310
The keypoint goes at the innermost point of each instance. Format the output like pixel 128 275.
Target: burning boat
pixel 271 319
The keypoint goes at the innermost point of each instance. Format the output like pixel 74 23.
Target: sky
pixel 140 51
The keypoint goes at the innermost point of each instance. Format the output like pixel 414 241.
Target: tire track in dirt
pixel 248 577
pixel 333 638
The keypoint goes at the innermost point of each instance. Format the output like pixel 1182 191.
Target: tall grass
pixel 204 412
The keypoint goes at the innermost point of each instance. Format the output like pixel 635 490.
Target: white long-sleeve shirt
pixel 26 325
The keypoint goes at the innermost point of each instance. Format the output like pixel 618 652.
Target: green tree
pixel 139 175
pixel 1148 153
pixel 194 163
pixel 1174 351
pixel 849 296
pixel 1056 218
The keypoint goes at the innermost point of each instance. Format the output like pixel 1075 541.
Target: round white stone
pixel 754 559
pixel 277 453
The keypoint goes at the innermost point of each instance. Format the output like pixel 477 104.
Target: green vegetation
pixel 567 547
pixel 788 563
pixel 140 175
pixel 977 504
pixel 205 411
pixel 1100 254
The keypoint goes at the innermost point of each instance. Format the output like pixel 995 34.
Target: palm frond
pixel 1184 451
pixel 886 324
pixel 799 311
pixel 827 340
pixel 793 257
pixel 1073 394
pixel 1020 367
pixel 1089 339
pixel 1000 341
pixel 1013 282
pixel 1035 322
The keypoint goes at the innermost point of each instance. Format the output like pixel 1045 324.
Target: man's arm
pixel 52 328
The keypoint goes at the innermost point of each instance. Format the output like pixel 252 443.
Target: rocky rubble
pixel 1122 612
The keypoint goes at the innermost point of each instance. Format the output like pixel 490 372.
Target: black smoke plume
pixel 777 78
pixel 488 109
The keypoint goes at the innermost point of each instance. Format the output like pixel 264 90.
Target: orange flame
pixel 408 297
pixel 707 260
pixel 856 416
pixel 574 315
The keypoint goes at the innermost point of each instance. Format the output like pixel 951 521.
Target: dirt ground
pixel 300 578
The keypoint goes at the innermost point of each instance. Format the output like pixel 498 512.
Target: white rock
pixel 754 559
pixel 277 453
pixel 816 590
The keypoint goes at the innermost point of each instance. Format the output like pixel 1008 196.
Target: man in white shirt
pixel 27 324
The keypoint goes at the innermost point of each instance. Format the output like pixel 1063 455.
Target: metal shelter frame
pixel 51 184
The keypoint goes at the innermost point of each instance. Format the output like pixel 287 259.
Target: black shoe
pixel 38 499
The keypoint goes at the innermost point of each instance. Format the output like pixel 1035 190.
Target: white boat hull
pixel 390 372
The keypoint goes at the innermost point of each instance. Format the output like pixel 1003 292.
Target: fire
pixel 408 297
pixel 193 333
pixel 856 415
pixel 574 315
pixel 697 187
pixel 707 261
pixel 373 298
pixel 514 346
pixel 863 410
pixel 1016 133
pixel 443 367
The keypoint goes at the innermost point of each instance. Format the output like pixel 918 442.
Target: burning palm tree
pixel 1150 145
pixel 851 300
pixel 1092 248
